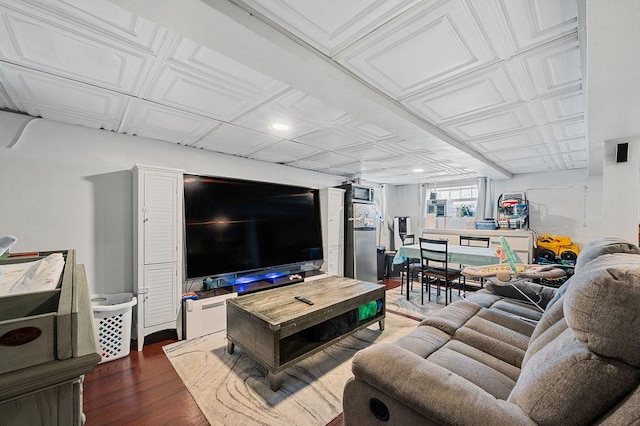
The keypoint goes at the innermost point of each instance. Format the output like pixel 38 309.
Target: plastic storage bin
pixel 112 314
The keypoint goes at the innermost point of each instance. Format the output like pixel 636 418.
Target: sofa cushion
pixel 498 334
pixel 626 413
pixel 597 248
pixel 486 353
pixel 483 298
pixel 452 317
pixel 579 368
pixel 507 320
pixel 592 251
pixel 549 334
pixel 427 388
pixel 423 341
pixel 493 346
pixel 492 374
pixel 483 324
pixel 565 383
pixel 541 335
pixel 499 365
pixel 518 308
pixel 477 372
pixel 602 306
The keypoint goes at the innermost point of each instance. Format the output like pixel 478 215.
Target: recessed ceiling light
pixel 418 170
pixel 280 126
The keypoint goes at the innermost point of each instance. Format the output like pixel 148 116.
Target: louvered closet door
pixel 332 215
pixel 160 218
pixel 160 304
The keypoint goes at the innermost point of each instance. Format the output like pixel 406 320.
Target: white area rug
pixel 398 302
pixel 234 389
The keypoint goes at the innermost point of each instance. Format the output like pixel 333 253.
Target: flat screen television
pixel 234 226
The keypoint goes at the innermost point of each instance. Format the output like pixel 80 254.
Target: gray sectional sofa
pixel 494 360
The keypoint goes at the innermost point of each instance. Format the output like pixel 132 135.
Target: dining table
pixel 462 255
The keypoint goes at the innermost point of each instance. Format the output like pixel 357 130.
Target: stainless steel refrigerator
pixel 360 242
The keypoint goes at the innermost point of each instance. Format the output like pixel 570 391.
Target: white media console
pixel 205 316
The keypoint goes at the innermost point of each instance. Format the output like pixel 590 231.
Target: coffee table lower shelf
pixel 294 349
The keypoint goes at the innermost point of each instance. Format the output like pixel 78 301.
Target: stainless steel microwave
pixel 357 193
pixel 362 193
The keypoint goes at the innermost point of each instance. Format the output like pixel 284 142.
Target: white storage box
pixel 112 314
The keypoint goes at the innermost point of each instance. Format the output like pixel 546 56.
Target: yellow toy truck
pixel 552 246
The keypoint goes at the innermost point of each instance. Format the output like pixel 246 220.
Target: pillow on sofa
pixel 597 248
pixel 586 369
pixel 591 251
pixel 603 307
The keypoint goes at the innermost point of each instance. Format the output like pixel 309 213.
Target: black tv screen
pixel 234 225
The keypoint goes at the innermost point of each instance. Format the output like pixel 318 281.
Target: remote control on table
pixel 304 300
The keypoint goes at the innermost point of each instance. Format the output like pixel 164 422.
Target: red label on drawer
pixel 20 336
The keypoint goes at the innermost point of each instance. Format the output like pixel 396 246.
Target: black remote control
pixel 304 300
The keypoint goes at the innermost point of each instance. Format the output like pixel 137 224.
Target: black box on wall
pixel 622 152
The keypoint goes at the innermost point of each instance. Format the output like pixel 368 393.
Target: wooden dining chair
pixel 434 256
pixel 474 241
pixel 408 239
pixel 469 240
pixel 413 269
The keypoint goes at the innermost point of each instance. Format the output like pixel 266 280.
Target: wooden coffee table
pixel 268 325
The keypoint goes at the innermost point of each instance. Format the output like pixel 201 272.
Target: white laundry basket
pixel 112 314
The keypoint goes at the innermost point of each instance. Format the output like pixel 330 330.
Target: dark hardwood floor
pixel 144 389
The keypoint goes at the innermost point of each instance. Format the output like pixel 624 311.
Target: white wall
pixel 561 203
pixel 65 186
pixel 404 200
pixel 621 195
pixel 571 202
pixel 582 223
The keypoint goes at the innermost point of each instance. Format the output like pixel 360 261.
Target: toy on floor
pixel 506 273
pixel 512 272
pixel 552 246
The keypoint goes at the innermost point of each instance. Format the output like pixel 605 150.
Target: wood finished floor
pixel 144 389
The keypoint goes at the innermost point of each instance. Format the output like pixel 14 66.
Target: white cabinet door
pixel 160 301
pixel 332 216
pixel 335 261
pixel 160 217
pixel 157 248
pixel 336 217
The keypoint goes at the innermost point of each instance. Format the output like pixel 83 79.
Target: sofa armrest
pixel 430 389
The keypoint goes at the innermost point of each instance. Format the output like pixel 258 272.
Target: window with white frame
pixel 463 198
